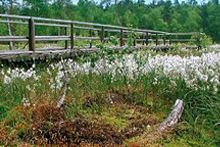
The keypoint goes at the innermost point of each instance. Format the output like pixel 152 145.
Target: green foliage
pixel 113 40
pixel 201 40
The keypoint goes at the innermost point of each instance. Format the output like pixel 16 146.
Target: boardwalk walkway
pixel 140 38
pixel 43 54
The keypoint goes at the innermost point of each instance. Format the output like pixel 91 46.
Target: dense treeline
pixel 158 15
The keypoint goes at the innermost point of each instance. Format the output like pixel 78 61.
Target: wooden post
pixel 31 35
pixel 164 39
pixel 72 36
pixel 66 42
pixel 108 36
pixel 156 39
pixel 170 40
pixel 199 41
pixel 121 38
pixel 143 39
pixel 134 41
pixel 103 35
pixel 90 34
pixel 10 34
pixel 147 41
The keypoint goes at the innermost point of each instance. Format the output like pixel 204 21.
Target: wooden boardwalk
pixel 43 54
pixel 140 38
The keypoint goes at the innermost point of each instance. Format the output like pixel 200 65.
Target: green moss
pixel 114 121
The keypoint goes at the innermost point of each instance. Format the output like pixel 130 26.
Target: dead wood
pixel 65 87
pixel 150 138
pixel 174 115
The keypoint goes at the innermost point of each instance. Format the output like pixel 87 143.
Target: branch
pixel 174 116
pixel 65 86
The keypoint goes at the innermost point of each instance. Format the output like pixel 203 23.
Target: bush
pixel 201 40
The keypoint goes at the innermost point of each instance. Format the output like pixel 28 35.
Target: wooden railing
pixel 144 36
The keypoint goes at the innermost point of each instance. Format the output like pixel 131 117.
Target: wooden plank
pixel 87 38
pixel 184 34
pixel 17 55
pixel 57 50
pixel 13 22
pixel 46 38
pixel 156 40
pixel 14 40
pixel 183 40
pixel 157 34
pixel 140 40
pixel 13 37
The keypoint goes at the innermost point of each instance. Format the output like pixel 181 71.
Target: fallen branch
pixel 174 116
pixel 65 87
pixel 156 134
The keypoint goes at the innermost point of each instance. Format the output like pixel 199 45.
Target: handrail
pixel 77 22
pixel 61 25
pixel 142 35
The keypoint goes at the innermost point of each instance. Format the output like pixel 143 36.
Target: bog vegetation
pixel 114 98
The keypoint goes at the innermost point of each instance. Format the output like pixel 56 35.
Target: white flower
pixel 28 87
pixel 2 72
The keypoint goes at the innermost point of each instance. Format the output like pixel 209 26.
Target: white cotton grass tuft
pixel 26 102
pixel 193 68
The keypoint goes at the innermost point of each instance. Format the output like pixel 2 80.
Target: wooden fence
pixel 143 36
